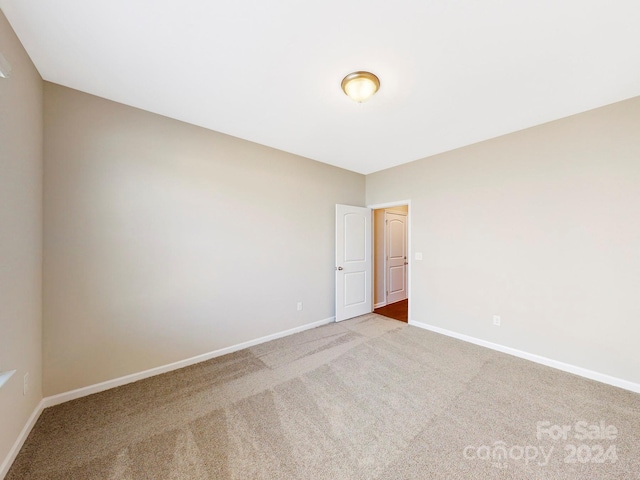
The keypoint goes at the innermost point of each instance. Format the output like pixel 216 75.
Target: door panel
pixel 396 280
pixel 355 231
pixel 353 261
pixel 354 294
pixel 396 256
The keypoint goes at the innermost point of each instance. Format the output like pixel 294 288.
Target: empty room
pixel 319 240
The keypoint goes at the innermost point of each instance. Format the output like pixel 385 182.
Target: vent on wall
pixel 5 68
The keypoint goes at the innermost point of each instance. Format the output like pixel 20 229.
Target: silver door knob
pixel 340 268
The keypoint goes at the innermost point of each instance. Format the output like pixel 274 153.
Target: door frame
pixel 398 203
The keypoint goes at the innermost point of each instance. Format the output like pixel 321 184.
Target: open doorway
pixel 391 260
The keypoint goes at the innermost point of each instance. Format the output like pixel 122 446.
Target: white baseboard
pixel 26 430
pixel 381 304
pixel 134 377
pixel 566 367
pixel 83 392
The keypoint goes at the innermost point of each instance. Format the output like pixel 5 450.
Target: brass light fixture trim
pixel 360 86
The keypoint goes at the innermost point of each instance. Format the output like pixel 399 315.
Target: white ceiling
pixel 452 72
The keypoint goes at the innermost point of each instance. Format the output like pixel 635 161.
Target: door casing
pixel 399 203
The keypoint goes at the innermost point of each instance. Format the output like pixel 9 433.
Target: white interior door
pixel 396 256
pixel 353 262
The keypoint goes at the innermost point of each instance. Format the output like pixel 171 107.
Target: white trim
pixel 5 376
pixel 409 243
pixel 399 203
pixel 99 387
pixel 26 430
pixel 134 377
pixel 385 289
pixel 379 305
pixel 549 362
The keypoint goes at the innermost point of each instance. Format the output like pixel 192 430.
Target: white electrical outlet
pixel 496 320
pixel 418 256
pixel 25 388
pixel 299 306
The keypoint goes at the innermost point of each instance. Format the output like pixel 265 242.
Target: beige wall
pixel 164 240
pixel 20 236
pixel 399 209
pixel 540 227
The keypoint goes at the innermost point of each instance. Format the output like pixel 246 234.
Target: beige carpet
pixel 362 399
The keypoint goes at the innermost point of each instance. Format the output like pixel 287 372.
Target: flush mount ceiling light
pixel 360 86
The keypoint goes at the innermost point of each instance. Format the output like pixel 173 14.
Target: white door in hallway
pixel 353 262
pixel 396 256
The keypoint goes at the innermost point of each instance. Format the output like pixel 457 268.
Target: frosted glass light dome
pixel 360 86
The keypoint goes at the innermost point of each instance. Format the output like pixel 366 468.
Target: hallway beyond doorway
pixel 398 310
